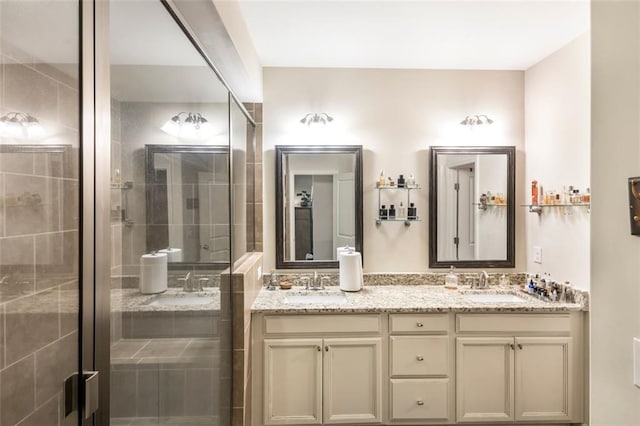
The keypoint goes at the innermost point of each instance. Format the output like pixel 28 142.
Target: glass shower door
pixel 40 235
pixel 170 343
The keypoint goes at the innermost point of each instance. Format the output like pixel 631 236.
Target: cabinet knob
pixel 420 402
pixel 419 358
pixel 519 346
pixel 512 347
pixel 326 348
pixel 419 324
pixel 318 348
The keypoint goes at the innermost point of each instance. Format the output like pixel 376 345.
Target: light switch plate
pixel 636 361
pixel 537 254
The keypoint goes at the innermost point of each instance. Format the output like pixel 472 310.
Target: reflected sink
pixel 494 298
pixel 181 300
pixel 325 299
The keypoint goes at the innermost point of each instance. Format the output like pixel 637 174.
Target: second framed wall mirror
pixel 318 204
pixel 472 207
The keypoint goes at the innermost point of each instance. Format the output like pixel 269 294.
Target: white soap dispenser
pixel 451 280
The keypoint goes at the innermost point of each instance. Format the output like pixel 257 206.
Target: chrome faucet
pixel 315 282
pixel 190 284
pixel 482 280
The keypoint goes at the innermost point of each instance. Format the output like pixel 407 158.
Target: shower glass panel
pixel 170 318
pixel 39 211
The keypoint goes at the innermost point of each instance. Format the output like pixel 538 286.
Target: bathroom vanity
pixel 416 355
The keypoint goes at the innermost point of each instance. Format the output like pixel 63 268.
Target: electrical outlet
pixel 636 361
pixel 537 254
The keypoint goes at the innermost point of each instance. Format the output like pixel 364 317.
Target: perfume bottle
pixel 401 210
pixel 392 212
pixel 451 280
pixel 534 193
pixel 401 181
pixel 383 213
pixel 412 213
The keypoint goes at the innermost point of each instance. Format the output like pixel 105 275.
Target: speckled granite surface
pixel 131 300
pixel 406 298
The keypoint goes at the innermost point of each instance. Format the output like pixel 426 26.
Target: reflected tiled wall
pixel 38 242
pixel 254 162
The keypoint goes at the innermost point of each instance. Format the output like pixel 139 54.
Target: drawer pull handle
pixel 419 324
pixel 420 402
pixel 419 358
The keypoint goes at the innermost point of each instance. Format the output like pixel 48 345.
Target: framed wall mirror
pixel 472 207
pixel 318 204
pixel 187 203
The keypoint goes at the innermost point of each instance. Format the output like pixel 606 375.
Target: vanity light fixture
pixel 188 125
pixel 314 119
pixel 20 125
pixel 476 120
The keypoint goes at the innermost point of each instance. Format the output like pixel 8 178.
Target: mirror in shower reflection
pixel 187 202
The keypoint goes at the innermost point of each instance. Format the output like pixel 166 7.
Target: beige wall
pixel 615 150
pixel 557 138
pixel 396 115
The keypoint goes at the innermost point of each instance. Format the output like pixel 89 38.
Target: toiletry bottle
pixel 412 212
pixel 382 181
pixel 401 212
pixel 411 181
pixel 534 193
pixel 401 181
pixel 451 280
pixel 383 212
pixel 586 197
pixel 392 212
pixel 390 181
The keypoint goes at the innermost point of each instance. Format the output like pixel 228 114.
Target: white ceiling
pixel 445 34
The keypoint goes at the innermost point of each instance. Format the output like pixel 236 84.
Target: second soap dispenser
pixel 451 280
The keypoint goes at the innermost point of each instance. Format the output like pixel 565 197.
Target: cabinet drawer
pixel 514 323
pixel 419 355
pixel 426 323
pixel 303 324
pixel 420 399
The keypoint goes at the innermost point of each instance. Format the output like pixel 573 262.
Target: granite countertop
pixel 407 298
pixel 131 300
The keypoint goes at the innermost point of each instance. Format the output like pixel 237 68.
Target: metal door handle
pixel 91 392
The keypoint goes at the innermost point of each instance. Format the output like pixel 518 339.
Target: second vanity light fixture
pixel 188 125
pixel 476 120
pixel 20 125
pixel 316 119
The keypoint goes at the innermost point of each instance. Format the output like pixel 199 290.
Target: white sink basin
pixel 325 299
pixel 494 298
pixel 181 300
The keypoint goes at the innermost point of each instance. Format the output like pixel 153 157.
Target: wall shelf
pixel 540 207
pixel 406 220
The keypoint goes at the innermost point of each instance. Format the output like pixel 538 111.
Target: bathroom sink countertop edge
pixel 406 298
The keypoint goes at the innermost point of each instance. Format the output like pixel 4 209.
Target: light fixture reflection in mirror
pixel 20 125
pixel 193 126
pixel 476 120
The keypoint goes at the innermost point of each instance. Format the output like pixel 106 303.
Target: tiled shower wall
pixel 38 242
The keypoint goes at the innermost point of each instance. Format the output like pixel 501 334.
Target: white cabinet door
pixel 484 379
pixel 292 381
pixel 543 378
pixel 353 380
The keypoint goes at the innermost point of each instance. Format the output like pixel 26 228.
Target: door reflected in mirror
pixel 472 209
pixel 319 204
